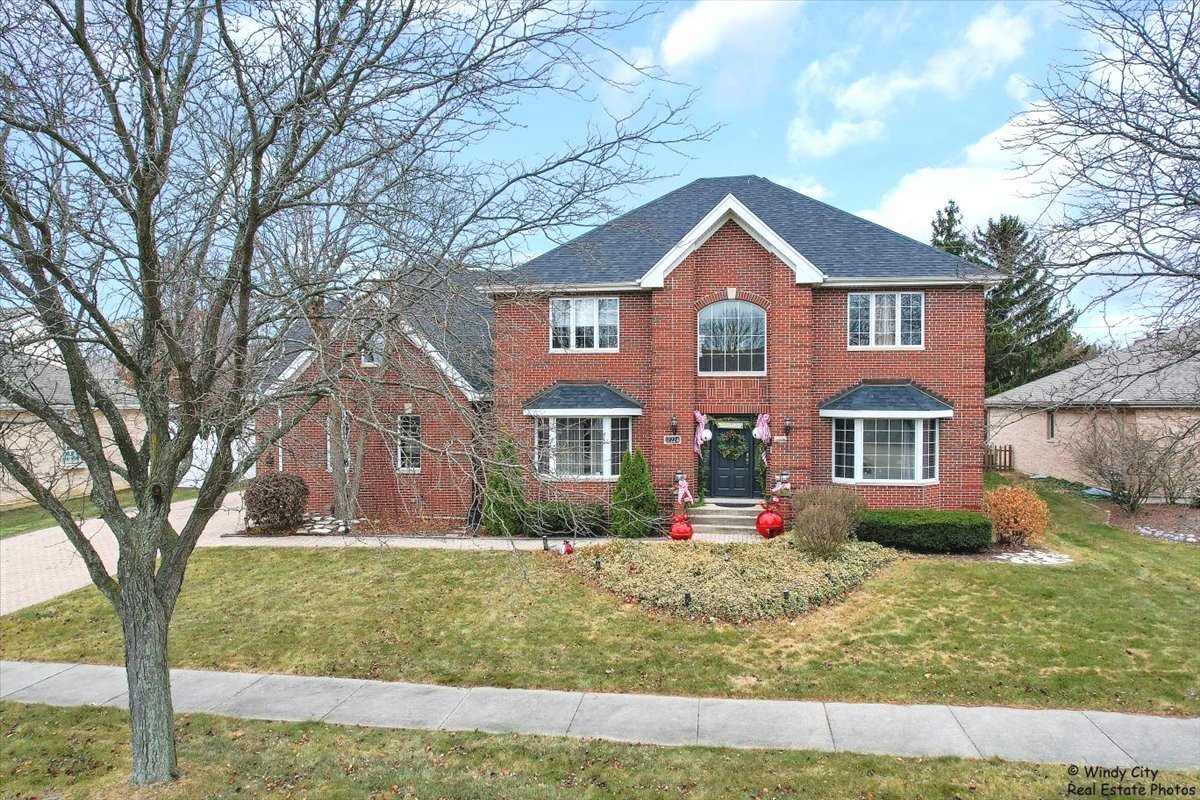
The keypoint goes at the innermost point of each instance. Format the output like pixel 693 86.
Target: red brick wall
pixel 807 362
pixel 440 495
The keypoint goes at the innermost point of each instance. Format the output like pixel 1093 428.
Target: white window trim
pixel 582 412
pixel 571 303
pixel 72 463
pixel 1051 425
pixel 871 323
pixel 605 455
pixel 918 455
pixel 279 442
pixel 749 373
pixel 400 448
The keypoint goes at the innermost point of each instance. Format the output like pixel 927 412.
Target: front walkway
pixel 1049 736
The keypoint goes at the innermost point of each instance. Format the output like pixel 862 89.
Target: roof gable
pixel 727 210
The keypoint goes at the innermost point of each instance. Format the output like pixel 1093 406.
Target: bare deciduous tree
pixel 1114 138
pixel 147 154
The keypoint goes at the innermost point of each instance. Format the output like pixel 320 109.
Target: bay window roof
pixel 882 400
pixel 582 400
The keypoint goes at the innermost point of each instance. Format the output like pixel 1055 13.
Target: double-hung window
pixel 585 323
pixel 371 354
pixel 885 450
pixel 71 458
pixel 345 443
pixel 408 443
pixel 885 319
pixel 581 447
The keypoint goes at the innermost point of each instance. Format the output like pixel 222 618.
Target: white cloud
pixel 990 42
pixel 805 184
pixel 709 25
pixel 805 139
pixel 985 183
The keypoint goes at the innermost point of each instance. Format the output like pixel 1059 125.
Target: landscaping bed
pixel 731 582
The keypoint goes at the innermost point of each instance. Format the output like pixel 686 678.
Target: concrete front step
pixel 721 529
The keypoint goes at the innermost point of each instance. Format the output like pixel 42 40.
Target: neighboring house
pixel 1154 382
pixel 731 297
pixel 40 451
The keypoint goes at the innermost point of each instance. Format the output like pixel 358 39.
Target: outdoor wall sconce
pixel 787 427
pixel 785 479
pixel 674 425
pixel 679 476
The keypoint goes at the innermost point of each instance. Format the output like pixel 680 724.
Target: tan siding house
pixel 1153 383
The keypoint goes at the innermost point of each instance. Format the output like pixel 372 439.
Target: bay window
pixel 585 323
pixel 885 319
pixel 890 450
pixel 581 447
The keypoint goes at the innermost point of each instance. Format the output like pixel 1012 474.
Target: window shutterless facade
pixel 408 444
pixel 71 458
pixel 581 447
pixel 885 450
pixel 885 319
pixel 585 323
pixel 1051 425
pixel 731 339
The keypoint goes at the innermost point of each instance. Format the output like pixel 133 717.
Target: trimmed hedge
pixel 563 518
pixel 927 531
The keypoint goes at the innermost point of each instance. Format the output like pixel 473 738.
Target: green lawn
pixel 24 519
pixel 1116 630
pixel 84 753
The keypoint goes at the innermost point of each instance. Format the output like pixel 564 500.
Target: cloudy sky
pixel 884 109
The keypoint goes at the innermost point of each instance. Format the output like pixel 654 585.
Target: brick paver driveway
pixel 38 566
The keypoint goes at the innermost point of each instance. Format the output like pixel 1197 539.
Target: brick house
pixel 733 298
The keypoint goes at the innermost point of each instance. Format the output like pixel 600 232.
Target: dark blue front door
pixel 731 462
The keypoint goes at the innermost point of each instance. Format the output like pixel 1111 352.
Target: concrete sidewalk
pixel 1049 736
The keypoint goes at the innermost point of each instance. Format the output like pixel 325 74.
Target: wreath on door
pixel 732 445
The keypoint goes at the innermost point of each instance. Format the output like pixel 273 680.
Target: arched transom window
pixel 732 338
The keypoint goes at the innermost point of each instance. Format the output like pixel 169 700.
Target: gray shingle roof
pixel 1158 371
pixel 868 397
pixel 838 243
pixel 455 320
pixel 582 397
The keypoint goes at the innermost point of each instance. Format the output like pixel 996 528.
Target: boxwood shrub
pixel 563 518
pixel 927 531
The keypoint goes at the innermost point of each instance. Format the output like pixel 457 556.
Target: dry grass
pixel 1111 631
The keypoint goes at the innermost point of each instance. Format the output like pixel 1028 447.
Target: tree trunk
pixel 145 621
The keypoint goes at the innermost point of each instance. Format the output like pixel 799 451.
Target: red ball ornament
pixel 681 529
pixel 770 521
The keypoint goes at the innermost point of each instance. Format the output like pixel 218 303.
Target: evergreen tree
pixel 1028 325
pixel 634 505
pixel 949 234
pixel 504 507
